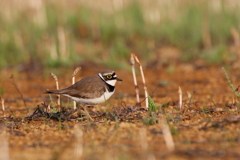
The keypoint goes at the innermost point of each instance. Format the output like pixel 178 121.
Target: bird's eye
pixel 109 77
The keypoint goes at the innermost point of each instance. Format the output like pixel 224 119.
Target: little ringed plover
pixel 91 90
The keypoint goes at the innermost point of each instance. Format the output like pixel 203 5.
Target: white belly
pixel 93 101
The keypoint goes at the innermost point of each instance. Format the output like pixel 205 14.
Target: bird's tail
pixel 52 92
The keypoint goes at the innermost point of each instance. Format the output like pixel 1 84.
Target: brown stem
pixel 15 85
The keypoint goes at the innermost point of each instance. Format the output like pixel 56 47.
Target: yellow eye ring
pixel 109 77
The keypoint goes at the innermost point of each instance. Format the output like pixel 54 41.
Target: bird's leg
pixel 88 115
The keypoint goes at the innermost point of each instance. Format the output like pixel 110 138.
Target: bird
pixel 91 90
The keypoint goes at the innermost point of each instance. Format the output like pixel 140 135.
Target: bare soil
pixel 206 127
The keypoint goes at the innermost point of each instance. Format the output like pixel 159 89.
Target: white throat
pixel 111 82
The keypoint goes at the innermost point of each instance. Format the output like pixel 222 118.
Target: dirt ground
pixel 206 127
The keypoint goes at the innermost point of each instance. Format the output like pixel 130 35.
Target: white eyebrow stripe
pixel 101 76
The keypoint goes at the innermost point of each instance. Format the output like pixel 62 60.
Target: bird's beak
pixel 118 79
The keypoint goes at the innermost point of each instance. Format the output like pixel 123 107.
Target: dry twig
pixel 15 85
pixel 132 62
pixel 73 81
pixel 3 107
pixel 190 96
pixel 180 97
pixel 167 134
pixel 143 79
pixel 57 87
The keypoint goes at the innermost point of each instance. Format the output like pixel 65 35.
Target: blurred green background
pixel 62 32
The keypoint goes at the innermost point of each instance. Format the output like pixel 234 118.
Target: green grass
pixel 231 86
pixel 109 38
pixel 152 108
pixel 149 120
pixel 151 105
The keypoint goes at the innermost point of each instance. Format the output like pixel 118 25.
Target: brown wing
pixel 89 87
